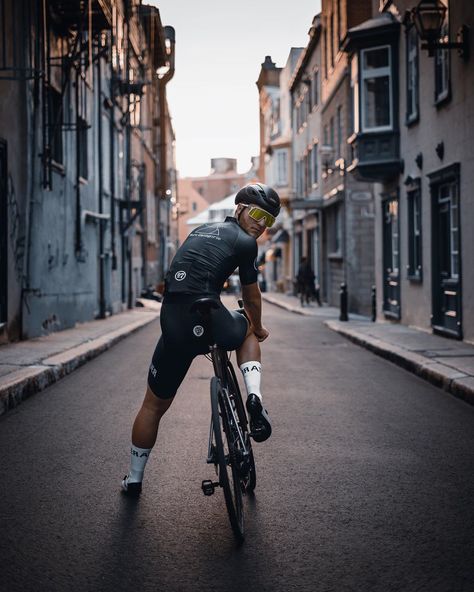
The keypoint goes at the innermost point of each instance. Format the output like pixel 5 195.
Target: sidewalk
pixel 444 362
pixel 27 367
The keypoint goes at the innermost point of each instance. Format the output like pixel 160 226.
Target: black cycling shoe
pixel 260 426
pixel 131 489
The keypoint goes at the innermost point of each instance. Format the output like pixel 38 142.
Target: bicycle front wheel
pixel 247 467
pixel 224 440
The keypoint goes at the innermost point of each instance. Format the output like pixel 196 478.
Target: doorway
pixel 446 305
pixel 3 233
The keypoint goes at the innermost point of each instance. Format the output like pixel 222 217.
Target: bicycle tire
pixel 229 480
pixel 233 386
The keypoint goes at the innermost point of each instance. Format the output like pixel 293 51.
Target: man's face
pixel 250 225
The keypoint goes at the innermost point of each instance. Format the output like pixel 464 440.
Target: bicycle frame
pixel 220 362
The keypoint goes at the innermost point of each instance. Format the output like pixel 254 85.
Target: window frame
pixel 415 232
pixel 281 154
pixel 56 110
pixel 315 88
pixel 412 58
pixel 339 132
pixel 376 73
pixel 83 148
pixel 442 95
pixel 315 165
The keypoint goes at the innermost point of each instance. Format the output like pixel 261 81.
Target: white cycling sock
pixel 138 460
pixel 252 372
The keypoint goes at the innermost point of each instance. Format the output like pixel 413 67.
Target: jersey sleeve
pixel 247 259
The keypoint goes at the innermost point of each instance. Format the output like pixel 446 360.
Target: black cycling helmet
pixel 260 195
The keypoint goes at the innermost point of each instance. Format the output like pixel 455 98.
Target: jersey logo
pixel 179 276
pixel 210 229
pixel 198 330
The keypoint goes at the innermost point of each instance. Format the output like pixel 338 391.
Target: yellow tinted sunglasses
pixel 258 214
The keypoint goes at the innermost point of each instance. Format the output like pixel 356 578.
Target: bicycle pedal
pixel 208 487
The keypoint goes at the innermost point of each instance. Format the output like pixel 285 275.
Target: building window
pixel 339 28
pixel 442 71
pixel 315 87
pixel 315 164
pixel 448 204
pixel 331 132
pixel 376 89
pixel 334 230
pixel 412 75
pixel 339 132
pixel 56 125
pixel 305 174
pixel 326 59
pixel 332 36
pixel 304 102
pixel 282 167
pixel 414 234
pixel 354 103
pixel 391 253
pixel 83 151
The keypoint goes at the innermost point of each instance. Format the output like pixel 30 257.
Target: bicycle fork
pixel 242 452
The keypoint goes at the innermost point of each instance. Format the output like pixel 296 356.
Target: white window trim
pixel 376 73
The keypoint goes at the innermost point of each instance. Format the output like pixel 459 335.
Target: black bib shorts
pixel 183 338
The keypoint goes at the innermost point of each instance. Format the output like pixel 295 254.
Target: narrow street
pixel 366 484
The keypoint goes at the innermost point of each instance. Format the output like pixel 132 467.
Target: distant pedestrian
pixel 305 282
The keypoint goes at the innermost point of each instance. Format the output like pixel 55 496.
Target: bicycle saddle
pixel 204 305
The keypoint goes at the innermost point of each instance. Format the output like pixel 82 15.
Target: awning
pixel 306 204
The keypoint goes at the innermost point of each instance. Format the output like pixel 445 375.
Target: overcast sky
pixel 220 46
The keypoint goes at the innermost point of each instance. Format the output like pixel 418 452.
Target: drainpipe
pixel 127 241
pixel 112 172
pixel 78 245
pixel 101 196
pixel 163 181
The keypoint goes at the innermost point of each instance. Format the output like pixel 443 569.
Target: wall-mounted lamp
pixel 428 17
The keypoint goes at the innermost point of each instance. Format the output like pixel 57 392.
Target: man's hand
pixel 261 334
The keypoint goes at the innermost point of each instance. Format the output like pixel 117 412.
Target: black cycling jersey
pixel 200 267
pixel 208 257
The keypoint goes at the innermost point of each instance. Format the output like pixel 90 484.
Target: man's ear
pixel 239 210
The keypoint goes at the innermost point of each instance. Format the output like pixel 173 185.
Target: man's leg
pixel 145 426
pixel 144 432
pixel 165 374
pixel 250 349
pixel 249 361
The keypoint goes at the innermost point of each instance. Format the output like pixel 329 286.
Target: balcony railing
pixel 376 155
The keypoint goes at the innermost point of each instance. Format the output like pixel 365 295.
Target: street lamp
pixel 428 17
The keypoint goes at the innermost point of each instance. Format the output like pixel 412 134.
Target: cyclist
pixel 200 267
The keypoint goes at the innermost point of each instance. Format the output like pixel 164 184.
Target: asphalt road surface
pixel 367 483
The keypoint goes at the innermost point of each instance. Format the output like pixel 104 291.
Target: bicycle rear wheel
pixel 224 442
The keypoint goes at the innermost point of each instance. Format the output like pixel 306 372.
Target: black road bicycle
pixel 230 447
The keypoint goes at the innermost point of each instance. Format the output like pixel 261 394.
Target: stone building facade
pixel 413 139
pixel 277 166
pixel 80 130
pixel 347 208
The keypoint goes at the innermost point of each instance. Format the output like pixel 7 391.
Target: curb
pixel 449 379
pixel 284 305
pixel 32 379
